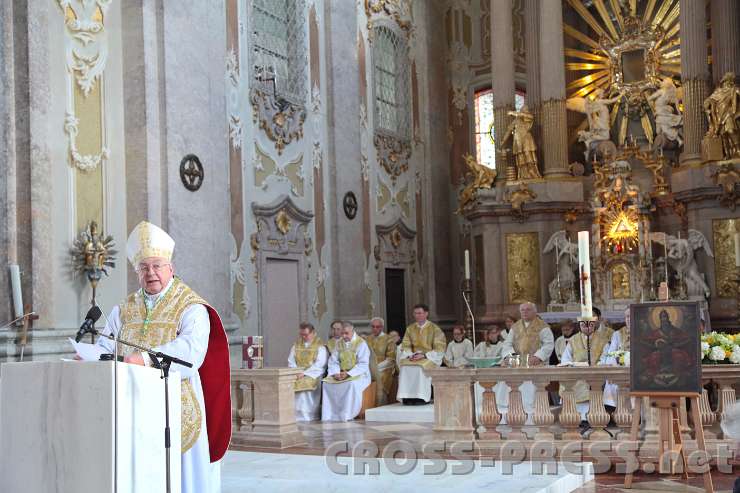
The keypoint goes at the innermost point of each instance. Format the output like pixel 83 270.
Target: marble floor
pixel 263 472
pixel 289 469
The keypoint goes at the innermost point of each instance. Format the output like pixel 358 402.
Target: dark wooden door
pixel 395 301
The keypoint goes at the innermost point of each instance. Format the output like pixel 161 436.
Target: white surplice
pixel 343 401
pixel 458 352
pixel 501 390
pixel 308 402
pixel 527 389
pixel 198 474
pixel 610 389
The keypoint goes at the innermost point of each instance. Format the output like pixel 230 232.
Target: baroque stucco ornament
pixel 86 54
pixel 393 155
pixel 282 122
pixel 398 10
pixel 282 228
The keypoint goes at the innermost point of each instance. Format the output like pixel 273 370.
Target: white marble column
pixel 552 90
pixel 725 18
pixel 694 76
pixel 502 70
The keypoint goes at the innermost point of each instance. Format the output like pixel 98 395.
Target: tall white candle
pixel 737 249
pixel 15 284
pixel 584 268
pixel 467 264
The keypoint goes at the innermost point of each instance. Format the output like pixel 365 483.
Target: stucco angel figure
pixel 561 288
pixel 523 146
pixel 597 115
pixel 681 259
pixel 668 119
pixel 481 177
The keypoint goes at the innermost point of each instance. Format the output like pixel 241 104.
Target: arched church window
pixel 485 144
pixel 278 55
pixel 391 82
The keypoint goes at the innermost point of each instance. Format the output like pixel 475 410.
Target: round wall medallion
pixel 350 205
pixel 191 172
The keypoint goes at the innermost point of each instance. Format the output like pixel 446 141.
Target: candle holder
pixel 467 290
pixel 737 291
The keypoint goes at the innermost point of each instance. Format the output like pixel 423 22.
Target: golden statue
pixel 520 196
pixel 723 110
pixel 523 146
pixel 482 177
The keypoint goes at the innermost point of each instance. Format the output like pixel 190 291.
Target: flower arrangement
pixel 719 347
pixel 621 357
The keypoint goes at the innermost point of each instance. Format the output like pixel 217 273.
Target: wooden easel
pixel 669 431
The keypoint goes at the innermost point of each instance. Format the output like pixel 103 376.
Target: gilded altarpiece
pixel 523 267
pixel 723 231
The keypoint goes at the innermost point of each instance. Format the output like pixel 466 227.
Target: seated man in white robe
pixel 458 349
pixel 349 376
pixel 423 347
pixel 384 350
pixel 309 354
pixel 586 347
pixel 335 335
pixel 567 329
pixel 491 348
pixel 530 338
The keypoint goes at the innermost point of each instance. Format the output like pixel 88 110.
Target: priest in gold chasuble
pixel 532 337
pixel 349 376
pixel 168 316
pixel 309 354
pixel 423 347
pixel 384 350
pixel 587 347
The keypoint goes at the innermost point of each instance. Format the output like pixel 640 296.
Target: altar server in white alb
pixel 458 349
pixel 349 376
pixel 423 347
pixel 168 316
pixel 491 348
pixel 309 354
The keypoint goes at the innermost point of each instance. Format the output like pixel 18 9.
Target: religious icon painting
pixel 665 351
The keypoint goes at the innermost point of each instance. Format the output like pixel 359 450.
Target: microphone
pixel 92 316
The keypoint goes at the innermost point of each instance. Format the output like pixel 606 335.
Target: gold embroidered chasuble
pixel 156 327
pixel 383 348
pixel 331 345
pixel 418 339
pixel 304 358
pixel 347 358
pixel 624 337
pixel 579 351
pixel 526 340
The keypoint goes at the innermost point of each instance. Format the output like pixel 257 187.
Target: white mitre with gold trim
pixel 148 240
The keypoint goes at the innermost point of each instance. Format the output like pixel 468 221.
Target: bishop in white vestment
pixel 309 354
pixel 169 317
pixel 349 376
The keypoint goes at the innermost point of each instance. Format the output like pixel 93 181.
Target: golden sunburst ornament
pixel 627 51
pixel 621 228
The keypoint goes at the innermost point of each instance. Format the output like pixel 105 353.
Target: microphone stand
pixel 162 362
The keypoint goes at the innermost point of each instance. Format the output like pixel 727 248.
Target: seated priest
pixel 491 348
pixel 349 376
pixel 169 317
pixel 532 339
pixel 458 349
pixel 384 351
pixel 335 335
pixel 585 347
pixel 567 329
pixel 620 342
pixel 310 355
pixel 423 347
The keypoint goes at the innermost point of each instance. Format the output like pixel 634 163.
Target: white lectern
pixel 57 428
